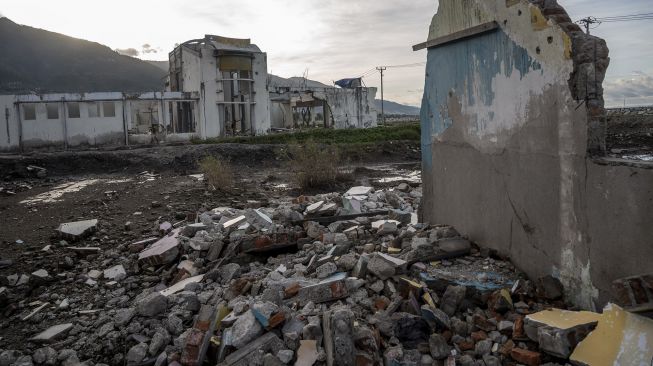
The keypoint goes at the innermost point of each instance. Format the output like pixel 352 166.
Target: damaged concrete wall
pixel 511 116
pixel 351 108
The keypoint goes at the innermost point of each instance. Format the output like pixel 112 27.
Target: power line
pixel 589 21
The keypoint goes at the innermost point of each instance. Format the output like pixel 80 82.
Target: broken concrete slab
pixel 53 333
pixel 77 230
pixel 385 266
pixel 162 252
pixel 559 331
pixel 342 325
pixel 620 338
pixel 359 191
pixel 332 288
pixel 234 222
pixel 179 286
pixel 314 207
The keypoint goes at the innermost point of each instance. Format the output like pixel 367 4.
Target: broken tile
pixel 53 333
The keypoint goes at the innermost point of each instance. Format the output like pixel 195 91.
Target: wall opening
pixel 109 109
pixel 52 110
pixel 73 110
pixel 29 112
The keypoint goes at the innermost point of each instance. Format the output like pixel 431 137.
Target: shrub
pixel 316 166
pixel 217 173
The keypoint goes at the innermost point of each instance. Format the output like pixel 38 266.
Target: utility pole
pixel 382 69
pixel 587 22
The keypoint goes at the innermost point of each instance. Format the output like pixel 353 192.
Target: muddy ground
pixel 131 191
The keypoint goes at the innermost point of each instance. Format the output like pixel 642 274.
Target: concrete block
pixel 359 191
pixel 332 288
pixel 559 331
pixel 152 305
pixel 162 252
pixel 342 326
pixel 77 230
pixel 268 343
pixel 385 266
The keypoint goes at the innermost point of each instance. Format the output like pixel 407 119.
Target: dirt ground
pixel 130 200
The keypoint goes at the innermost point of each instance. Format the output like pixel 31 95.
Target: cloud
pixel 637 88
pixel 128 51
pixel 147 48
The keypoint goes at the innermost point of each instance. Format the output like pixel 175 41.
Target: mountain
pixel 35 60
pixel 163 65
pixel 396 108
pixel 295 82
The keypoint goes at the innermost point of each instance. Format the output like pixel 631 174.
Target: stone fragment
pixel 307 354
pixel 245 329
pixel 136 354
pixel 151 305
pixel 332 288
pixel 248 353
pixel 162 252
pixel 45 356
pixel 452 298
pixel 115 273
pixel 258 219
pixel 402 216
pixel 285 356
pixel 74 231
pixel 525 357
pixel 314 207
pixel 359 191
pixel 438 346
pixel 124 316
pixel 342 325
pixel 326 270
pixel 234 222
pixel 559 331
pixel 53 333
pixel 384 266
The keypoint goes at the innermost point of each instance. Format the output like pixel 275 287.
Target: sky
pixel 325 39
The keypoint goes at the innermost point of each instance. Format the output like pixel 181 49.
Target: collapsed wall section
pixel 512 115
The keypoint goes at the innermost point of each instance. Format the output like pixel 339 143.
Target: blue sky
pixel 327 39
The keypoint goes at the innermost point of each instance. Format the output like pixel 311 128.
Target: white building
pixel 62 121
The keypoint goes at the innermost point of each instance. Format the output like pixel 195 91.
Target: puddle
pixel 412 177
pixel 640 157
pixel 56 194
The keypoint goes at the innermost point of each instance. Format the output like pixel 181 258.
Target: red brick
pixel 479 336
pixel 526 357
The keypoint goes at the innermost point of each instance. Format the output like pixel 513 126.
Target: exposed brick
pixel 526 357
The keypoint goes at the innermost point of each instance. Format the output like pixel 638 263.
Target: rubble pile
pixel 332 279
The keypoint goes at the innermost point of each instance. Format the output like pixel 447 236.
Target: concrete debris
pixel 77 230
pixel 356 282
pixel 53 333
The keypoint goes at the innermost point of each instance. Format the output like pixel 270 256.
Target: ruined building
pixel 298 102
pixel 216 87
pixel 513 140
pixel 230 75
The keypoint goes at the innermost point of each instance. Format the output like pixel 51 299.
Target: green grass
pixel 405 132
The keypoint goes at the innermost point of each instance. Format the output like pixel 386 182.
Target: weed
pixel 316 166
pixel 218 174
pixel 405 132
